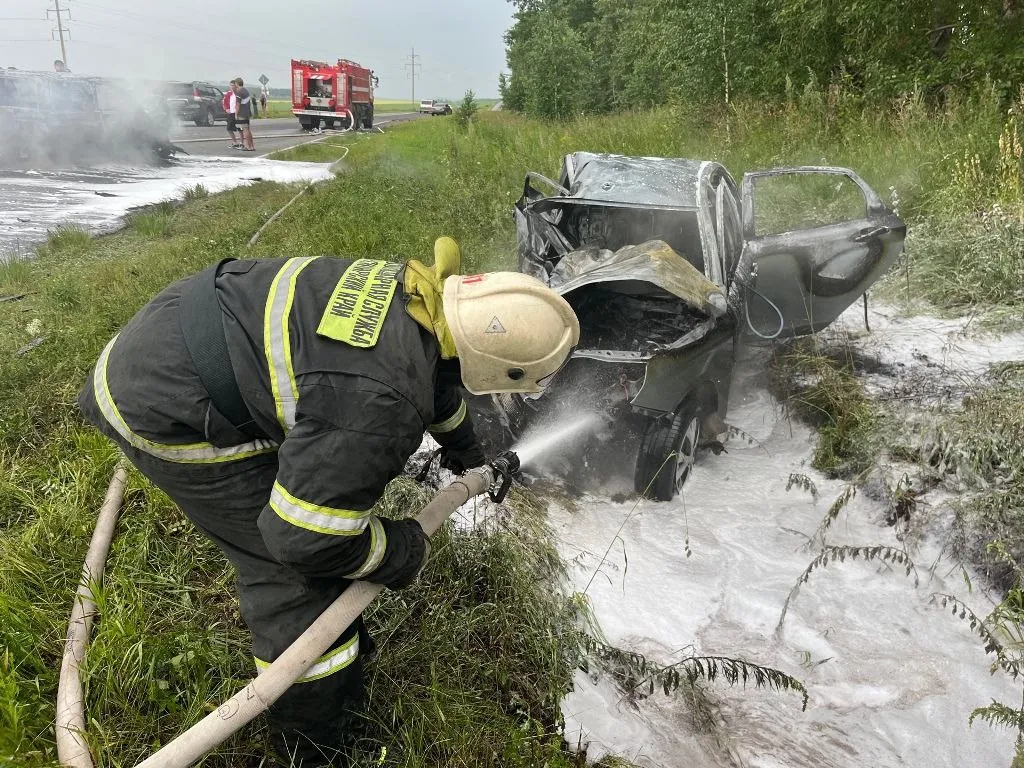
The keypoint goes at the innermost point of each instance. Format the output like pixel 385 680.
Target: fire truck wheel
pixel 368 120
pixel 328 124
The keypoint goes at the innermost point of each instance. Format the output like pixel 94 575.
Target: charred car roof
pixel 649 182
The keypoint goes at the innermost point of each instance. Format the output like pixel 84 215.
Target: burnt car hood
pixel 636 302
pixel 654 263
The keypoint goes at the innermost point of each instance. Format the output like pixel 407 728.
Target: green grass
pixel 475 679
pixel 978 447
pixel 821 387
pixel 277 108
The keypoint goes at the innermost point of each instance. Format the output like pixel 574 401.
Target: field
pixel 475 680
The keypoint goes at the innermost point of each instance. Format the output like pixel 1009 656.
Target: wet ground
pixel 34 202
pixel 892 679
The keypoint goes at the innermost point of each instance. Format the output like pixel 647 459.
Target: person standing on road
pixel 230 104
pixel 263 100
pixel 286 396
pixel 243 114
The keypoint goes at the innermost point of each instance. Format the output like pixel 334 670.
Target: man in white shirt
pixel 230 105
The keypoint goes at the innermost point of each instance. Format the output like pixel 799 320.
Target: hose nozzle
pixel 506 468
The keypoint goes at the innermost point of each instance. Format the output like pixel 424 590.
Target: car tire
pixel 210 117
pixel 668 449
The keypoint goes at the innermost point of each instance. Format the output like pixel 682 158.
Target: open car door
pixel 815 239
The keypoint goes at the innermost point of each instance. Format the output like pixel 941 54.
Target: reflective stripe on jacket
pixel 344 419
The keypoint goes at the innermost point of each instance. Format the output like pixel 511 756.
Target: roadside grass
pixel 821 387
pixel 326 150
pixel 978 449
pixel 194 192
pixel 473 661
pixel 68 238
pixel 277 108
pixel 470 674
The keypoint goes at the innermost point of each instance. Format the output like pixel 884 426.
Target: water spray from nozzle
pixel 533 447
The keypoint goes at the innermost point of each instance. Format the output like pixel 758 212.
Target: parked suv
pixel 199 102
pixel 435 107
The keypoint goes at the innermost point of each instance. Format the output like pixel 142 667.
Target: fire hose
pixel 273 681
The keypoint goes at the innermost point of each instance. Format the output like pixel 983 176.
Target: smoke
pixel 50 120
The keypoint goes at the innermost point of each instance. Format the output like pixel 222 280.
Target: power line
pixel 244 50
pixel 149 21
pixel 411 63
pixel 179 38
pixel 60 27
pixel 178 54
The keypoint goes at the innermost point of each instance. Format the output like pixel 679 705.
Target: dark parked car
pixel 668 265
pixel 200 103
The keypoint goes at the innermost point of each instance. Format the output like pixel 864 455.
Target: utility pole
pixel 60 27
pixel 410 65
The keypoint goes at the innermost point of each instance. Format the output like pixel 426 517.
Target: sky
pixel 459 42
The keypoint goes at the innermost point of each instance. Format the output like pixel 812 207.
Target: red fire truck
pixel 338 94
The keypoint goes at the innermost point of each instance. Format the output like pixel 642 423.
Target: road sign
pixel 264 79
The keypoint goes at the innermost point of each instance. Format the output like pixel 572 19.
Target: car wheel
pixel 668 449
pixel 210 117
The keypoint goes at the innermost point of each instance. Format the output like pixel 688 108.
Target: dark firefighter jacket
pixel 340 381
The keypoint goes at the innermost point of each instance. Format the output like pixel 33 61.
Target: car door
pixel 218 108
pixel 728 229
pixel 815 239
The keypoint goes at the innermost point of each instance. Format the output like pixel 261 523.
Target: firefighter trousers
pixel 318 720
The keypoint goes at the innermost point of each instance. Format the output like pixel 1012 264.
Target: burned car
pixel 58 119
pixel 669 265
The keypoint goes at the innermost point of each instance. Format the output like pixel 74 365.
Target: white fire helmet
pixel 511 332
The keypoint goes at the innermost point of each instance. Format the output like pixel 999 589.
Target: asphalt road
pixel 269 135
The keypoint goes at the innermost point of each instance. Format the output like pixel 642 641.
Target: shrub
pixel 467 109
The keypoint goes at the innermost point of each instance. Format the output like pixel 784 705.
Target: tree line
pixel 590 56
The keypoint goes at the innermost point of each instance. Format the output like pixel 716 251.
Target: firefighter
pixel 273 400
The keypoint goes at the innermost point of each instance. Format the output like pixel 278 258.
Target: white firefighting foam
pixel 892 679
pixel 34 202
